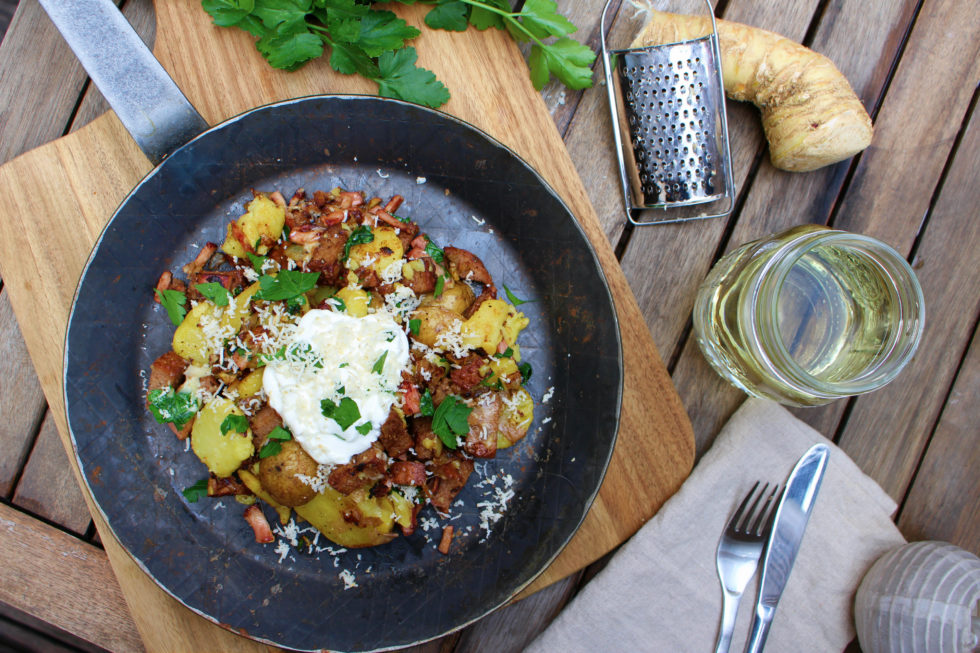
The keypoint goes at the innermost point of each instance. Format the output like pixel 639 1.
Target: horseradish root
pixel 810 114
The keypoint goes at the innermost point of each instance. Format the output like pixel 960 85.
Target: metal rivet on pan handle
pixel 670 101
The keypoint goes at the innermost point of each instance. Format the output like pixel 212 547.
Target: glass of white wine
pixel 809 315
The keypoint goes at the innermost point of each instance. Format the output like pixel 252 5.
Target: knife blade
pixel 791 518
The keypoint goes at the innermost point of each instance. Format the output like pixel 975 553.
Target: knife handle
pixel 760 630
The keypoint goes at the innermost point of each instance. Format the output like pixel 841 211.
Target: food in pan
pixel 332 360
pixel 810 114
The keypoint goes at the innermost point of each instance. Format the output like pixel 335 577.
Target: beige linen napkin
pixel 661 592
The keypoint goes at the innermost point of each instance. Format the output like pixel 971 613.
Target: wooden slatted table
pixel 916 66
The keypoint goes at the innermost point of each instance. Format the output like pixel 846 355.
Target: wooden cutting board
pixel 59 196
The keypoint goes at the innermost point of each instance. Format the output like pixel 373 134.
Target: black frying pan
pixel 476 194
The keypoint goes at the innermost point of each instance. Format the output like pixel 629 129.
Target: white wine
pixel 809 315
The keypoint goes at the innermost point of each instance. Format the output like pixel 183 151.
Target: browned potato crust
pixel 278 475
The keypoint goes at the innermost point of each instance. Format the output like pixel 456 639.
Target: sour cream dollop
pixel 333 362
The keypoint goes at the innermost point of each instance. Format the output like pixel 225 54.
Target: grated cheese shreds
pixel 348 577
pixel 547 395
pixel 401 302
pixel 451 340
pixel 317 483
pixel 393 272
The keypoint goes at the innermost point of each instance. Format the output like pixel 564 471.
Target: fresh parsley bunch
pixel 372 42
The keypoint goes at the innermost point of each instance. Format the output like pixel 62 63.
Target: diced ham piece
pixel 260 525
pixel 446 540
pixel 166 371
pixel 407 473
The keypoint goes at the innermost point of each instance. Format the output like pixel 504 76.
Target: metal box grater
pixel 670 100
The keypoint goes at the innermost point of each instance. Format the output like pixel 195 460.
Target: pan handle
pixel 158 116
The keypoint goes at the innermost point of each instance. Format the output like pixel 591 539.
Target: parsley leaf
pixel 273 441
pixel 516 301
pixel 364 428
pixel 345 414
pixel 215 292
pixel 258 262
pixel 450 420
pixel 236 423
pixel 196 491
pixel 270 448
pixel 286 284
pixel 491 14
pixel 173 301
pixel 569 61
pixel 508 353
pixel 414 325
pixel 168 406
pixel 289 50
pixel 227 13
pixel 448 15
pixel 350 60
pixel 440 284
pixel 434 251
pixel 425 404
pixel 383 31
pixel 379 365
pixel 525 370
pixel 402 80
pixel 362 235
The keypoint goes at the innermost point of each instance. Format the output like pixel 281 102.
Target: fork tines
pixel 760 519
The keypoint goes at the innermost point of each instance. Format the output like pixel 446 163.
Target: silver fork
pixel 739 552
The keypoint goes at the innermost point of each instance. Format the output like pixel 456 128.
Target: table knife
pixel 784 540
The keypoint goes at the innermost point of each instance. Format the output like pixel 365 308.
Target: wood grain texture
pixel 778 200
pixel 941 504
pixel 47 487
pixel 80 597
pixel 21 402
pixel 101 164
pixel 511 629
pixel 30 119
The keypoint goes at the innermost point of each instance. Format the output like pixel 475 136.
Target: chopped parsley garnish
pixel 295 304
pixel 287 284
pixel 364 428
pixel 258 262
pixel 508 353
pixel 516 301
pixel 168 406
pixel 215 292
pixel 173 301
pixel 425 404
pixel 196 491
pixel 432 250
pixel 379 365
pixel 525 369
pixel 272 444
pixel 338 303
pixel 362 235
pixel 345 414
pixel 497 385
pixel 414 325
pixel 236 423
pixel 449 420
pixel 440 284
